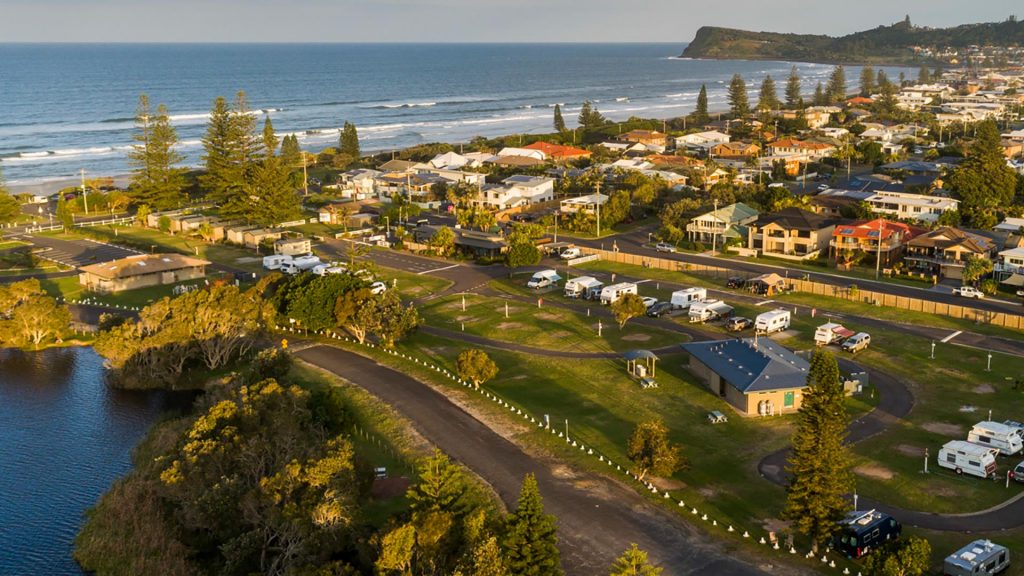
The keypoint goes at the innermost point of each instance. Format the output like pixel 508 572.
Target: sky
pixel 460 20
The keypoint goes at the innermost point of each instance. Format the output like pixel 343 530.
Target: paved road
pixel 598 518
pixel 78 253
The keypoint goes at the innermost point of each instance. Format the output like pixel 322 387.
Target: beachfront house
pixel 517 191
pixel 587 204
pixel 882 239
pixel 720 225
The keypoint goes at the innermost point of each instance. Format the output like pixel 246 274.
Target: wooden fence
pixel 1006 320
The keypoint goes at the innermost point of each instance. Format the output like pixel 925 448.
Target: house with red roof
pixel 557 152
pixel 877 238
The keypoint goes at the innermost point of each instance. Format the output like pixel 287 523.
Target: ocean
pixel 66 107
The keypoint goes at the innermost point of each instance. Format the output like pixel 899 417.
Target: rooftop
pixel 795 219
pixel 752 365
pixel 141 265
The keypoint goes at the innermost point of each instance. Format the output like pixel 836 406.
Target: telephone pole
pixel 597 203
pixel 85 194
pixel 878 253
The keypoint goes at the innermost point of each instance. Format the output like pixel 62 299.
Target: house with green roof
pixel 721 225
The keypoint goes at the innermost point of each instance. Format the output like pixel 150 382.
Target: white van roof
pixel 996 428
pixel 690 291
pixel 586 281
pixel 620 286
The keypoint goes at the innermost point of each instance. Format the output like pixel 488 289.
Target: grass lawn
pixel 146 238
pixel 412 285
pixel 548 327
pixel 69 288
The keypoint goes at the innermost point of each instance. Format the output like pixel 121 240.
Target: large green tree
pixel 769 97
pixel 700 112
pixel 836 91
pixel 476 366
pixel 349 141
pixel 626 307
pixel 29 317
pixel 271 194
pixel 794 99
pixel 522 247
pixel 9 207
pixel 441 486
pixel 867 81
pixel 530 542
pixel 221 173
pixel 983 181
pixel 156 181
pixel 233 154
pixel 590 118
pixel 817 495
pixel 905 557
pixel 649 448
pixel 559 121
pixel 739 103
pixel 291 154
pixel 634 562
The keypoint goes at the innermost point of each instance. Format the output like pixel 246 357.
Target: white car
pixel 664 247
pixel 968 292
pixel 378 288
pixel 570 253
pixel 649 301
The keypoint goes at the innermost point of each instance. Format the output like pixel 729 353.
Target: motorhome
pixel 543 279
pixel 981 557
pixel 708 310
pixel 831 333
pixel 682 299
pixel 863 531
pixel 275 261
pixel 583 287
pixel 773 321
pixel 1004 438
pixel 300 264
pixel 966 458
pixel 611 294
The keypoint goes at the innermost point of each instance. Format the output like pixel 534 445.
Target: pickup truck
pixel 968 292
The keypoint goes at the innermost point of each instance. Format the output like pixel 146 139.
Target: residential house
pixel 675 162
pixel 236 234
pixel 1012 148
pixel 646 137
pixel 908 206
pixel 358 184
pixel 416 187
pixel 140 271
pixel 293 246
pixel 557 152
pixel 469 242
pixel 790 233
pixel 882 239
pixel 810 148
pixel 1009 268
pixel 1010 225
pixel 757 377
pixel 518 191
pixel 944 252
pixel 587 204
pixel 454 161
pixel 701 140
pixel 524 153
pixel 737 150
pixel 720 225
pixel 255 237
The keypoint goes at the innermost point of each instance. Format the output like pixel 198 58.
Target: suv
pixel 738 324
pixel 664 247
pixel 735 282
pixel 1018 473
pixel 857 342
pixel 968 292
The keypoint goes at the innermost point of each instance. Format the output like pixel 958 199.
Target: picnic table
pixel 716 417
pixel 646 383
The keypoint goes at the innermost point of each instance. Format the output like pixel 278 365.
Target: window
pixel 951 458
pixel 973 463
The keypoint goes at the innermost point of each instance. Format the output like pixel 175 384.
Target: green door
pixel 787 401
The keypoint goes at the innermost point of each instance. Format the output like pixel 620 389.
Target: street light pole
pixel 878 252
pixel 85 194
pixel 714 230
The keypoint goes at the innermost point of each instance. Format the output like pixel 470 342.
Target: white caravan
pixel 611 294
pixel 966 458
pixel 300 264
pixel 584 287
pixel 707 310
pixel 773 321
pixel 979 558
pixel 830 333
pixel 1004 438
pixel 275 261
pixel 682 299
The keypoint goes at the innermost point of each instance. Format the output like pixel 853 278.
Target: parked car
pixel 378 288
pixel 735 282
pixel 857 342
pixel 570 253
pixel 659 309
pixel 664 247
pixel 649 301
pixel 739 324
pixel 968 292
pixel 1018 473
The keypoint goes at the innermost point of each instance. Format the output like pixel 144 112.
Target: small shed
pixel 640 363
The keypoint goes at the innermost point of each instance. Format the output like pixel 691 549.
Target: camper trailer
pixel 583 287
pixel 543 279
pixel 981 557
pixel 682 299
pixel 708 310
pixel 300 264
pixel 325 269
pixel 611 294
pixel 966 458
pixel 995 435
pixel 862 531
pixel 275 261
pixel 771 322
pixel 831 333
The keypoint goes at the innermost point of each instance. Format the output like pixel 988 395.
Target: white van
pixel 682 299
pixel 582 287
pixel 275 261
pixel 543 279
pixel 770 322
pixel 707 310
pixel 300 264
pixel 979 558
pixel 967 458
pixel 611 294
pixel 570 253
pixel 995 435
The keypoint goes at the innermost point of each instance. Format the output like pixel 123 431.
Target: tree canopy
pixel 476 366
pixel 983 181
pixel 530 542
pixel 739 103
pixel 649 448
pixel 156 180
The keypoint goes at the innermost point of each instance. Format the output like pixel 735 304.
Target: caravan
pixel 682 299
pixel 300 264
pixel 966 458
pixel 611 294
pixel 770 322
pixel 1003 438
pixel 583 287
pixel 707 310
pixel 862 531
pixel 275 261
pixel 979 558
pixel 831 333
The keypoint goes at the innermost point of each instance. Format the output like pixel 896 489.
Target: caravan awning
pixel 1015 280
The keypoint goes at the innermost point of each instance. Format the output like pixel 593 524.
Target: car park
pixel 664 247
pixel 739 324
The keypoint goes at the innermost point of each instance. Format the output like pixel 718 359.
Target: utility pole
pixel 878 253
pixel 714 231
pixel 597 203
pixel 85 193
pixel 305 176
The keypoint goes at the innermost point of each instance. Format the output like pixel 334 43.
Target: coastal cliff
pixel 893 44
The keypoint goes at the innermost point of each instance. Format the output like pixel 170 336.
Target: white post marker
pixel 988 367
pixel 599 328
pixel 925 460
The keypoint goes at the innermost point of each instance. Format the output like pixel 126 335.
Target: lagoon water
pixel 65 436
pixel 66 107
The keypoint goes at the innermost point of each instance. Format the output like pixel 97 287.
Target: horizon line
pixel 330 42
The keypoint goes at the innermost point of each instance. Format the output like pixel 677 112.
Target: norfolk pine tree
pixel 634 562
pixel 530 542
pixel 156 180
pixel 349 141
pixel 867 81
pixel 820 98
pixel 924 76
pixel 739 103
pixel 769 98
pixel 9 207
pixel 559 121
pixel 291 154
pixel 700 113
pixel 837 85
pixel 273 199
pixel 983 181
pixel 221 173
pixel 816 498
pixel 794 99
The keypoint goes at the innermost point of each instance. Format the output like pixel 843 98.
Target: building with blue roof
pixel 758 377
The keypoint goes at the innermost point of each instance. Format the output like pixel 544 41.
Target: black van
pixel 860 532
